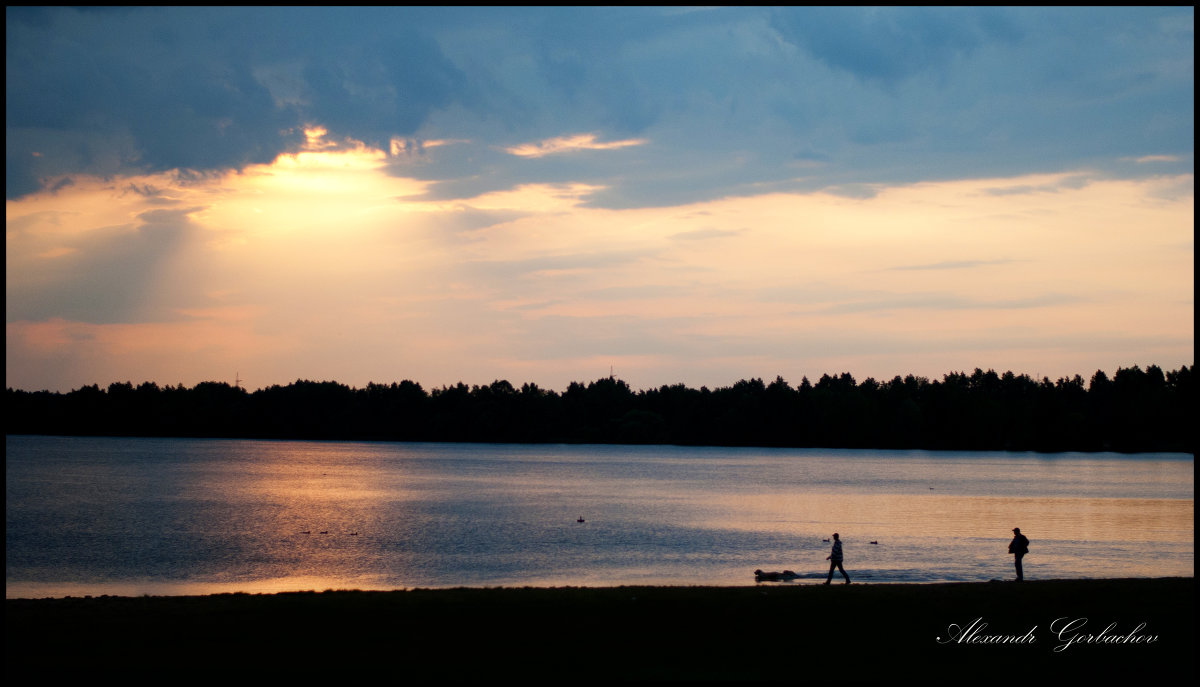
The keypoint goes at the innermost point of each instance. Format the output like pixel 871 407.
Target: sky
pixel 549 195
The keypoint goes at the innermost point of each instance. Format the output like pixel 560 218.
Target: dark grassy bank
pixel 770 632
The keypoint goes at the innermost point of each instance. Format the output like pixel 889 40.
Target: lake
pixel 132 516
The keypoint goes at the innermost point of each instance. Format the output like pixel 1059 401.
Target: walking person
pixel 1018 548
pixel 835 560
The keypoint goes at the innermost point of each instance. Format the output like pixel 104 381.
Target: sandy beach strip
pixel 1066 630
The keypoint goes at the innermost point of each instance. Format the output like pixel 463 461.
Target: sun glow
pixel 324 264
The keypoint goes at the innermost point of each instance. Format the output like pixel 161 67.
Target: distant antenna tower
pixel 237 380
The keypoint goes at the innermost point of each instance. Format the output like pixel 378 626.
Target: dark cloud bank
pixel 733 100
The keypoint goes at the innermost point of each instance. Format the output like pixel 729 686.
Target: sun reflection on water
pixel 902 515
pixel 132 517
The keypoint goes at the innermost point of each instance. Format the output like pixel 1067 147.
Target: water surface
pixel 183 516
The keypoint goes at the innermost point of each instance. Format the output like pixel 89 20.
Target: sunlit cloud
pixel 946 301
pixel 413 147
pixel 1050 183
pixel 1145 159
pixel 535 197
pixel 755 191
pixel 954 265
pixel 358 280
pixel 704 234
pixel 314 138
pixel 566 144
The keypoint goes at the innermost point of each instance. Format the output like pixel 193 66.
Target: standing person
pixel 1018 548
pixel 835 560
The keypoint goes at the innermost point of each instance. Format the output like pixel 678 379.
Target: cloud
pixel 116 274
pixel 888 44
pixel 154 89
pixel 1146 159
pixel 947 301
pixel 735 100
pixel 1054 185
pixel 705 234
pixel 323 265
pixel 953 265
pixel 508 274
pixel 565 144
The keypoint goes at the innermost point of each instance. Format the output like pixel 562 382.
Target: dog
pixel 760 576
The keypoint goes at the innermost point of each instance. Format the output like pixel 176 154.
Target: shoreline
pixel 874 631
pixel 799 582
pixel 1183 452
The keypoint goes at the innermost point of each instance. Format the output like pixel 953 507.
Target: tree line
pixel 1134 410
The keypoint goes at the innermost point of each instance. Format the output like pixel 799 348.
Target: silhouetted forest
pixel 1134 410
